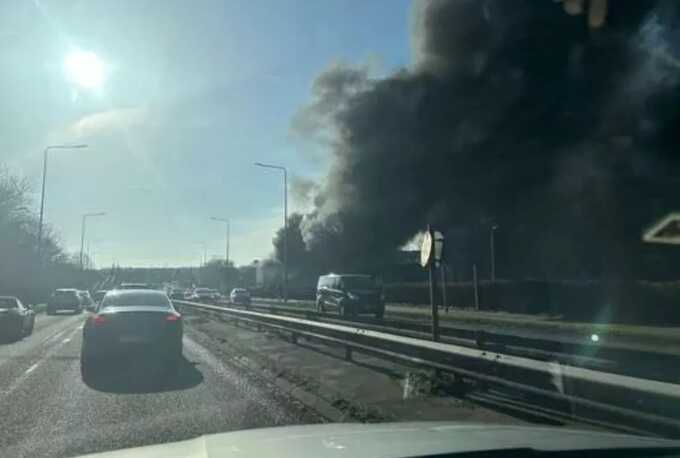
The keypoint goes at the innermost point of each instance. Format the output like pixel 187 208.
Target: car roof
pixel 70 290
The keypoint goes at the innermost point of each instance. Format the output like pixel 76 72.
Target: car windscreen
pixel 358 283
pixel 132 300
pixel 7 303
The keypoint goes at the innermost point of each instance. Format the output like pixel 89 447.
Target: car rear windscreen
pixel 131 300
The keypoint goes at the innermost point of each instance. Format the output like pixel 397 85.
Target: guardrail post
pixel 348 353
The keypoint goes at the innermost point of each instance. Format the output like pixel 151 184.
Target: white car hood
pixel 388 440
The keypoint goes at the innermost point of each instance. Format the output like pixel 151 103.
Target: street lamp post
pixel 42 192
pixel 285 224
pixel 82 233
pixel 494 228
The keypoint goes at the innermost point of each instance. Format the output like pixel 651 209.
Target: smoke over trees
pixel 513 113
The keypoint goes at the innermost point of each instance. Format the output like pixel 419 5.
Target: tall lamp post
pixel 82 233
pixel 42 192
pixel 492 244
pixel 285 224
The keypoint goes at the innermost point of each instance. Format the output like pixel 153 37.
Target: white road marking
pixel 54 336
pixel 22 378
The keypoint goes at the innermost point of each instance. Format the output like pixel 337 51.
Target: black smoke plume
pixel 513 113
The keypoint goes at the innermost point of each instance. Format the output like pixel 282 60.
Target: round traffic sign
pixel 426 249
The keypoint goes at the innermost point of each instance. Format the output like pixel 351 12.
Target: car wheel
pixel 320 306
pixel 344 311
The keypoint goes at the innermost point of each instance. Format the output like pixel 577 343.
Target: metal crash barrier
pixel 612 400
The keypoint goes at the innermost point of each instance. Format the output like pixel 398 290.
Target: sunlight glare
pixel 85 69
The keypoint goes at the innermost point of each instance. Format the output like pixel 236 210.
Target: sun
pixel 85 69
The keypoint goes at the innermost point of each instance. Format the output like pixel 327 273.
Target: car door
pixel 335 292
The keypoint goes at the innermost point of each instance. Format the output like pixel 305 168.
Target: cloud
pixel 108 121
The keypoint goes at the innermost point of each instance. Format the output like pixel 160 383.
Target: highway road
pixel 46 409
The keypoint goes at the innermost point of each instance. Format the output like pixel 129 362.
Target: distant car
pixel 16 319
pixel 99 295
pixel 129 322
pixel 64 299
pixel 240 296
pixel 203 295
pixel 350 294
pixel 86 300
pixel 134 286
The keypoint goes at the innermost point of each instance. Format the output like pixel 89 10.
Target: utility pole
pixel 42 191
pixel 493 252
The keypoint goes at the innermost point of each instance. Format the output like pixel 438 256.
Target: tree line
pixel 25 270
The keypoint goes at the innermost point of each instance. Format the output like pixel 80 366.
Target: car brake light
pixel 98 320
pixel 172 318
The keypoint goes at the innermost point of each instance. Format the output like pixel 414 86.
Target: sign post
pixel 428 260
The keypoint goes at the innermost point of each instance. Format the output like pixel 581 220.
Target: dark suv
pixel 350 294
pixel 64 299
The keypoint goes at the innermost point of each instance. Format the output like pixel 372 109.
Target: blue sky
pixel 194 93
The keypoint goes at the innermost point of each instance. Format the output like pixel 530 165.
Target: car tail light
pixel 98 320
pixel 172 317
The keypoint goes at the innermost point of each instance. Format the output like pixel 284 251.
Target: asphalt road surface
pixel 47 409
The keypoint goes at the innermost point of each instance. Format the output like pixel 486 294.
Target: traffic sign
pixel 426 248
pixel 666 230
